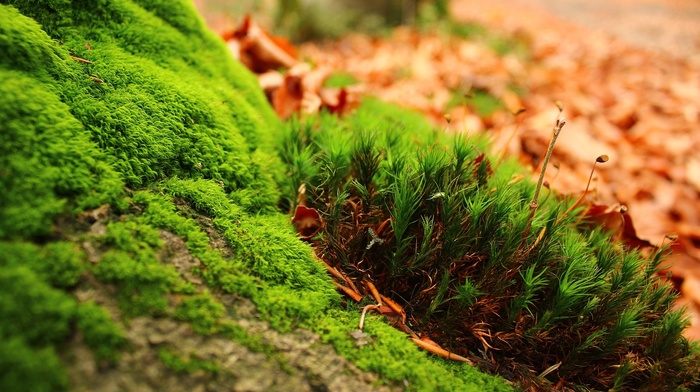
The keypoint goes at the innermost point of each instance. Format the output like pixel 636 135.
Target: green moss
pixel 389 120
pixel 58 263
pixel 266 244
pixel 100 332
pixel 99 96
pixel 201 311
pixel 420 371
pixel 340 79
pixel 141 279
pixel 28 369
pixel 482 102
pixel 132 236
pixel 277 271
pixel 206 316
pixel 132 264
pixel 46 159
pixel 179 364
pixel 25 300
pixel 241 335
pixel 439 229
pixel 34 317
pixel 152 116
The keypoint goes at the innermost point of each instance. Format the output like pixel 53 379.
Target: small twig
pixel 534 204
pixel 349 282
pixel 340 276
pixel 550 369
pixel 395 307
pixel 439 351
pixel 350 292
pixel 537 241
pixel 333 271
pixel 81 60
pixel 364 313
pixel 374 292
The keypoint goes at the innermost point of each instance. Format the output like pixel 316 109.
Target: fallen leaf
pixel 307 221
pixel 615 220
pixel 691 288
pixel 286 99
pixel 270 81
pixel 258 50
pixel 692 172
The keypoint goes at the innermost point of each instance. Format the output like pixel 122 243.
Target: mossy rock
pixel 139 214
pixel 142 175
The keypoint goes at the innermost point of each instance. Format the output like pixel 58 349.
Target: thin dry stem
pixel 600 159
pixel 558 125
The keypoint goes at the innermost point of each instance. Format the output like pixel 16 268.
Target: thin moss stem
pixel 558 125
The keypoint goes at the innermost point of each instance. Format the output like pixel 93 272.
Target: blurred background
pixel 667 25
pixel 304 20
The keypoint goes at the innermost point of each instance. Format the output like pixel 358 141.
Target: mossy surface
pixel 94 98
pixel 152 101
pixel 126 123
pixel 417 370
pixel 120 121
pixel 100 332
pixel 182 365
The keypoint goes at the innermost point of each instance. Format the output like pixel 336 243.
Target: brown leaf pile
pixel 291 86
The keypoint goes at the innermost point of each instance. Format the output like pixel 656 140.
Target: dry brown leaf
pixel 258 50
pixel 307 221
pixel 692 172
pixel 270 81
pixel 286 100
pixel 691 288
pixel 611 218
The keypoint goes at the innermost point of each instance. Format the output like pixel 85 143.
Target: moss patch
pixel 34 318
pixel 436 227
pixel 182 365
pixel 95 98
pixel 123 121
pixel 417 370
pixel 100 332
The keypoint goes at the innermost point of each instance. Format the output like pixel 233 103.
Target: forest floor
pixel 628 77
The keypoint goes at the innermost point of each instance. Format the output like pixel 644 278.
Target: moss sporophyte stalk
pixel 144 189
